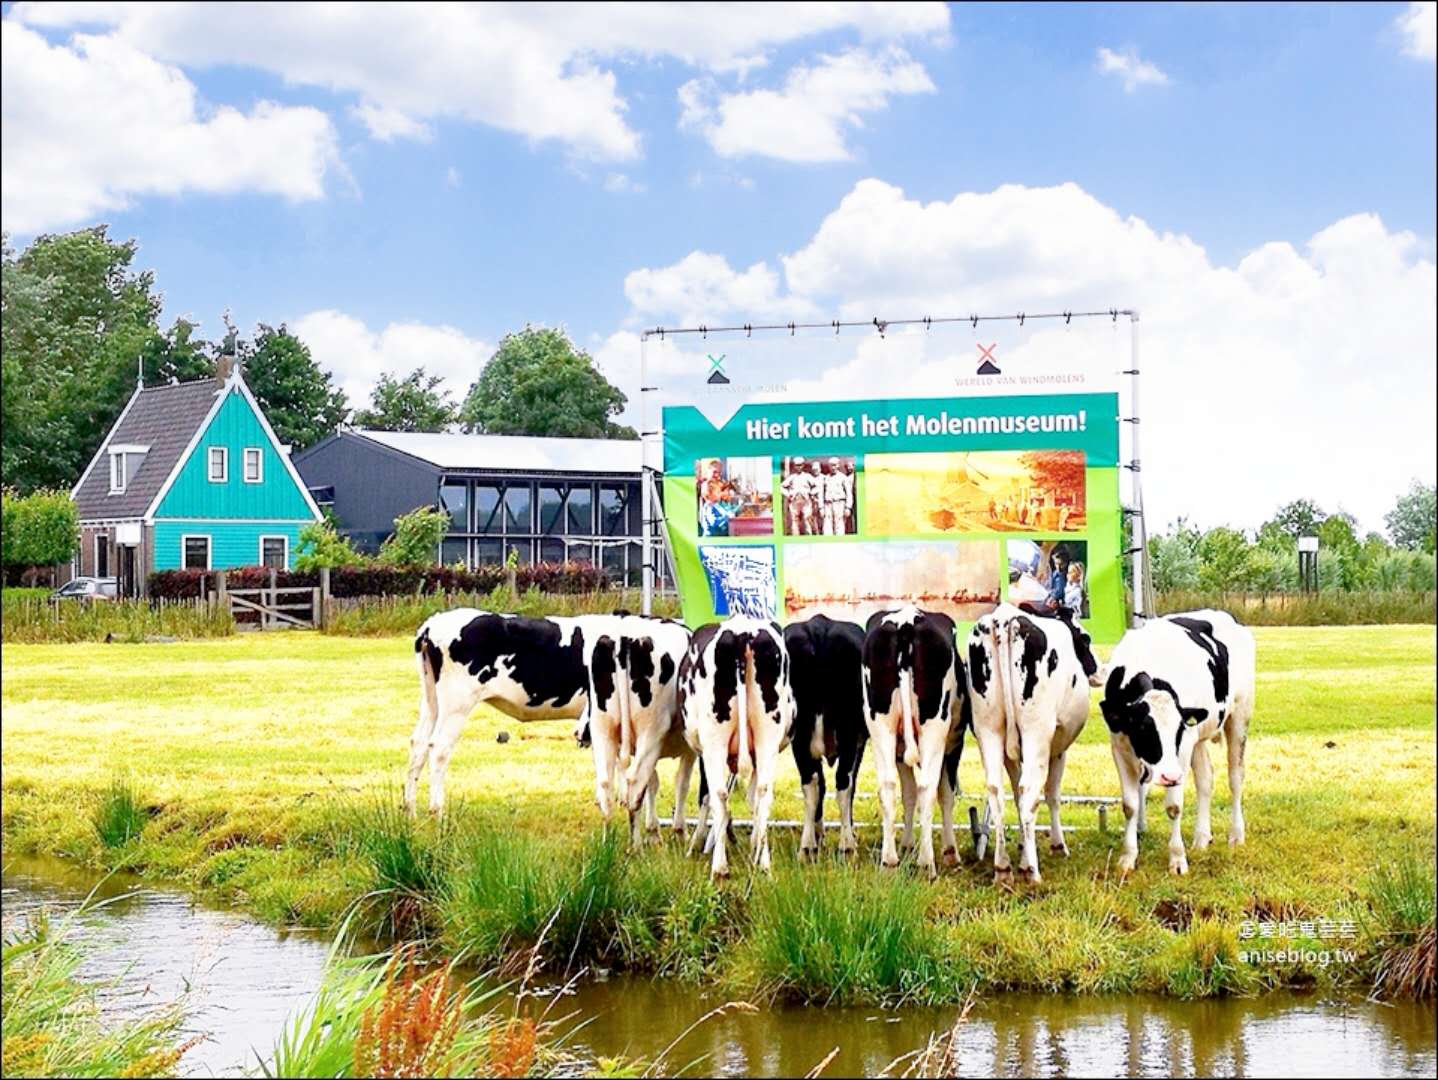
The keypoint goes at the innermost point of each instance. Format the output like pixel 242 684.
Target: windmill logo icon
pixel 987 365
pixel 716 370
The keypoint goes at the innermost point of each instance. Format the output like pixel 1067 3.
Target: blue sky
pixel 486 196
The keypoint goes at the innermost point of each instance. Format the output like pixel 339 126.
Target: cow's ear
pixel 1114 687
pixel 1113 715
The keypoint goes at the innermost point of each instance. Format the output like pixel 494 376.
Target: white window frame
pixel 224 452
pixel 275 536
pixel 117 479
pixel 259 465
pixel 185 538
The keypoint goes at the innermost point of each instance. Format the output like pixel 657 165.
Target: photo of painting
pixel 983 491
pixel 852 581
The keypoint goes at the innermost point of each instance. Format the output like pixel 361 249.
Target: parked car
pixel 87 588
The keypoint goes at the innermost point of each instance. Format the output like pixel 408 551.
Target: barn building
pixel 546 499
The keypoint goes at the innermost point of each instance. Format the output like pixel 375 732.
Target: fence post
pixel 511 578
pixel 222 592
pixel 322 601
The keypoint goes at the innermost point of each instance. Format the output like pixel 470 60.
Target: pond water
pixel 238 981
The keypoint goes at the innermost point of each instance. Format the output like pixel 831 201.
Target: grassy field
pixel 264 769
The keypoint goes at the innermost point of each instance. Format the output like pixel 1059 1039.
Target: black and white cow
pixel 632 716
pixel 914 689
pixel 738 711
pixel 1029 688
pixel 826 662
pixel 528 669
pixel 1175 684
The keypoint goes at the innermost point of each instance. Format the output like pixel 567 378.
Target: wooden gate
pixel 273 607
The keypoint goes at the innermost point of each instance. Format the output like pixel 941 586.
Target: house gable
pixel 236 425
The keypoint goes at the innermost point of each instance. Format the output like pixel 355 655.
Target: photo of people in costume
pixel 819 496
pixel 1045 575
pixel 735 496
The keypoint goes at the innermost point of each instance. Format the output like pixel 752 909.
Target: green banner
pixel 847 507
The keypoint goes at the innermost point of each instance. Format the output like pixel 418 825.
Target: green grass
pixel 268 765
pixel 119 816
pixel 1331 608
pixel 34 619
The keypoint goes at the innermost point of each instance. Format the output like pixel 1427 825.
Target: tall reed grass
pixel 1402 902
pixel 119 816
pixel 382 616
pixel 50 1022
pixel 35 620
pixel 1331 608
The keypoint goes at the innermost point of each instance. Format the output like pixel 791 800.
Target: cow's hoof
pixel 720 873
pixel 951 856
pixel 1003 876
pixel 1201 841
pixel 1177 865
pixel 808 853
pixel 1058 847
pixel 847 849
pixel 1235 839
pixel 889 862
pixel 930 870
pixel 1126 864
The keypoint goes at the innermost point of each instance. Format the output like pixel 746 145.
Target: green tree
pixel 37 530
pixel 415 403
pixel 1175 557
pixel 1412 520
pixel 298 397
pixel 1338 545
pixel 1297 518
pixel 539 383
pixel 416 537
pixel 74 317
pixel 1223 559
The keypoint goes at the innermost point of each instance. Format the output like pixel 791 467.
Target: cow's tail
pixel 428 677
pixel 1004 647
pixel 744 663
pixel 911 723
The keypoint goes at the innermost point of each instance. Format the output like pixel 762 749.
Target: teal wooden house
pixel 190 477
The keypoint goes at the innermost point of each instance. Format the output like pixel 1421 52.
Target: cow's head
pixel 1150 718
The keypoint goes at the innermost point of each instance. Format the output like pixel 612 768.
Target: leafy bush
pixel 416 537
pixel 320 545
pixel 374 579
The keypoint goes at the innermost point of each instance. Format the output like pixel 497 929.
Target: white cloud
pixel 358 356
pixel 387 124
pixel 89 126
pixel 704 289
pixel 1296 372
pixel 524 68
pixel 808 118
pixel 619 183
pixel 1128 67
pixel 1417 26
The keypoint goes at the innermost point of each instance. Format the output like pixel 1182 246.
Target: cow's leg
pixel 888 775
pixel 1055 782
pixel 1237 737
pixel 716 761
pixel 910 788
pixel 991 754
pixel 1015 787
pixel 651 805
pixel 441 749
pixel 1033 780
pixel 606 762
pixel 419 748
pixel 1131 791
pixel 948 789
pixel 1173 806
pixel 845 777
pixel 682 772
pixel 763 801
pixel 697 842
pixel 1203 796
pixel 643 786
pixel 811 780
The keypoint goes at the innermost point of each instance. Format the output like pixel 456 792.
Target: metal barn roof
pixel 514 453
